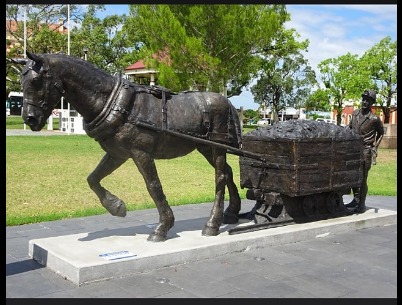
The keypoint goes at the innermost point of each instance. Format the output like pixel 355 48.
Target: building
pixel 290 113
pixel 348 110
pixel 139 73
pixel 12 27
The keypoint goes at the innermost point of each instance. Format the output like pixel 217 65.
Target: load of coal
pixel 302 129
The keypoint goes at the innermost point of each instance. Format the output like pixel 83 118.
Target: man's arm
pixel 379 133
pixel 378 137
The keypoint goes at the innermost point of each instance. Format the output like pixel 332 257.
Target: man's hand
pixel 374 154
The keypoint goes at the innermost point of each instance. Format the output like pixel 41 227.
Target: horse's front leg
pixel 106 166
pixel 215 220
pixel 146 165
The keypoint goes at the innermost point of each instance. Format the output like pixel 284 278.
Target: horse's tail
pixel 237 134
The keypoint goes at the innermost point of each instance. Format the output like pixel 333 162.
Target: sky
pixel 333 31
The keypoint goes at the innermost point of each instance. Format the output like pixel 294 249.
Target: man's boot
pixel 356 198
pixel 361 208
pixel 353 204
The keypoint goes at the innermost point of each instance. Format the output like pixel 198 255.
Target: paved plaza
pixel 355 264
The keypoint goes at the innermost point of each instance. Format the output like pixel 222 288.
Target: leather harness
pixel 121 99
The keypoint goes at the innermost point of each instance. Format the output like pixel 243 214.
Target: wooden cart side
pixel 303 167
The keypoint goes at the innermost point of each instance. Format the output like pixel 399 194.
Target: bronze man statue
pixel 370 126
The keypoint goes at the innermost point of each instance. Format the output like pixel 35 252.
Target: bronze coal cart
pixel 305 169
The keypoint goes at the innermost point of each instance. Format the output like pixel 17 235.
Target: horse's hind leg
pixel 231 213
pixel 146 165
pixel 217 158
pixel 106 166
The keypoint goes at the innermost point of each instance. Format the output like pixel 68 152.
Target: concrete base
pixel 90 257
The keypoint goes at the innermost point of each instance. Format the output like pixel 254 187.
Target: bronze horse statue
pixel 143 123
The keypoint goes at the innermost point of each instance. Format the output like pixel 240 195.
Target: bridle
pixel 43 103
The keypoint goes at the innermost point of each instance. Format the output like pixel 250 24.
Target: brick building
pixel 12 27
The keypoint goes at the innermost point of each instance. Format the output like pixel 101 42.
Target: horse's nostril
pixel 30 120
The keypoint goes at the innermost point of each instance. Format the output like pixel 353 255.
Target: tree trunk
pixel 387 114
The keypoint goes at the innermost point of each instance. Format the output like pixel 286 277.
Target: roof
pixel 136 66
pixel 161 56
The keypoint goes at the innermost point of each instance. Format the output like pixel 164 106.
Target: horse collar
pixel 106 109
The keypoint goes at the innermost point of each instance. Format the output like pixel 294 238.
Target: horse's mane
pixel 74 61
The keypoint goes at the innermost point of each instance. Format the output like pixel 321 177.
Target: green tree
pixel 43 35
pixel 285 77
pixel 250 114
pixel 318 100
pixel 211 47
pixel 13 74
pixel 108 46
pixel 381 62
pixel 43 24
pixel 343 78
pixel 107 43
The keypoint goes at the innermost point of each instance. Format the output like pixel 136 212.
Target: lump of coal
pixel 302 129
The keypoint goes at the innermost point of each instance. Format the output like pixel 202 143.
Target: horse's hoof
pixel 156 238
pixel 114 205
pixel 210 231
pixel 121 210
pixel 230 218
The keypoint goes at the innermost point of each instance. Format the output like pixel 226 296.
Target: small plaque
pixel 117 255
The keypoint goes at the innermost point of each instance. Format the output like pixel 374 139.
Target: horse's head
pixel 41 91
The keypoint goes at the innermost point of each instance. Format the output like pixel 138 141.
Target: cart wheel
pixel 309 205
pixel 334 202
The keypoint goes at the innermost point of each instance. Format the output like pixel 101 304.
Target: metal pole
pixel 68 30
pixel 25 31
pixel 25 40
pixel 68 53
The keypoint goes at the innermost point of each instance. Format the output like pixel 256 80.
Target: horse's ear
pixel 34 57
pixel 19 61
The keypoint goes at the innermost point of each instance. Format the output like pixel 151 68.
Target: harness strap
pixel 205 113
pixel 156 91
pixel 164 111
pixel 161 93
pixel 47 75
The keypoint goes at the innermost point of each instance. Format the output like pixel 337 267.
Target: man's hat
pixel 370 93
